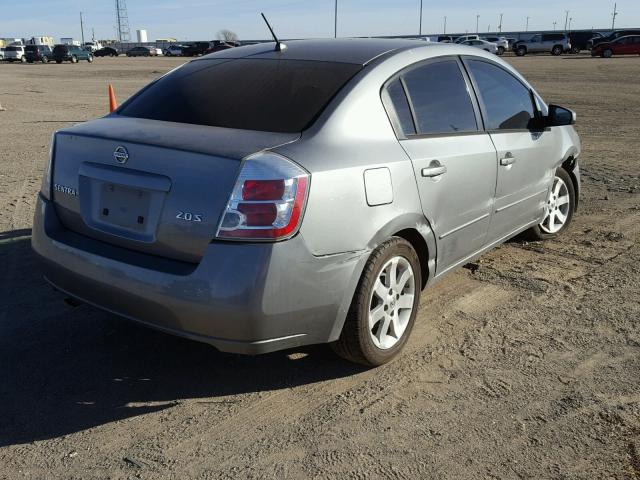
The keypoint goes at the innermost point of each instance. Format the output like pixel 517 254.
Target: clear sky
pixel 202 19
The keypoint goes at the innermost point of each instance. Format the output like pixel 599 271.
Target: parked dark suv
pixel 38 53
pixel 580 40
pixel 611 37
pixel 71 53
pixel 195 49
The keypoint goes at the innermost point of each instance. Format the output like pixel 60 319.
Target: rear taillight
pixel 45 188
pixel 267 201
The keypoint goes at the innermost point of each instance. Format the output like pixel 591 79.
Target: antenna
pixel 279 46
pixel 122 20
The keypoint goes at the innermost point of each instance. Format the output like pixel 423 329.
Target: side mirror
pixel 559 116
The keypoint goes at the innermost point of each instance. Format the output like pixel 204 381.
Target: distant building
pixel 12 41
pixel 142 36
pixel 42 41
pixel 69 41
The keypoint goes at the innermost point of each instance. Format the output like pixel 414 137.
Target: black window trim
pixel 537 114
pixel 393 116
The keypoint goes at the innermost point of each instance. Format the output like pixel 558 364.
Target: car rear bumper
pixel 242 297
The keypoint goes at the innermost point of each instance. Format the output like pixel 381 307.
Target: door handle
pixel 434 169
pixel 507 160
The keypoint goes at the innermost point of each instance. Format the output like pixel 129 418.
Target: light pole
pixel 81 29
pixel 420 30
pixel 335 20
pixel 477 21
pixel 500 24
pixel 614 15
pixel 554 26
pixel 570 18
pixel 445 25
pixel 566 17
pixel 526 28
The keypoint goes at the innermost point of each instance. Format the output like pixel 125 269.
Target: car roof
pixel 343 50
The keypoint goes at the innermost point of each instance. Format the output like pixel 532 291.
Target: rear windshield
pixel 249 94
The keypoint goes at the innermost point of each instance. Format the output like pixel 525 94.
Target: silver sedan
pixel 483 44
pixel 271 196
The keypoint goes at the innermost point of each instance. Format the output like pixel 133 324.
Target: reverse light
pixel 267 201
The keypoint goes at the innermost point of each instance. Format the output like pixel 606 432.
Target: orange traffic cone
pixel 113 104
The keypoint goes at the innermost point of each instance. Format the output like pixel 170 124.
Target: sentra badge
pixel 67 190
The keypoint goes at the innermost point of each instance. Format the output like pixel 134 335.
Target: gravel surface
pixel 524 365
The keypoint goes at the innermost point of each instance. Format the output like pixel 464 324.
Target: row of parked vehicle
pixel 45 54
pixel 618 42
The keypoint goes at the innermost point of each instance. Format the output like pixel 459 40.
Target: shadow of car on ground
pixel 67 369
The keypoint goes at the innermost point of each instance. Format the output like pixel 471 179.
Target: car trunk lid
pixel 150 186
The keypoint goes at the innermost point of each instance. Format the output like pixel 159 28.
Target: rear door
pixel 453 158
pixel 526 159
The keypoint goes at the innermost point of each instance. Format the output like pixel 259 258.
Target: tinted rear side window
pixel 507 102
pixel 249 94
pixel 401 106
pixel 440 99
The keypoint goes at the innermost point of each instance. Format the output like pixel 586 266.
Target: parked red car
pixel 629 45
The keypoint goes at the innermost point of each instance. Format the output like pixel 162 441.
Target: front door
pixel 454 160
pixel 526 162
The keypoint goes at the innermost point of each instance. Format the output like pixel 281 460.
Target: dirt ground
pixel 525 366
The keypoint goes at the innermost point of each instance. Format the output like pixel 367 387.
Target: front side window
pixel 440 99
pixel 507 102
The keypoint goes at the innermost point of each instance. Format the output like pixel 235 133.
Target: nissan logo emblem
pixel 121 155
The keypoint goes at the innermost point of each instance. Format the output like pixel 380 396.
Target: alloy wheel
pixel 391 302
pixel 557 207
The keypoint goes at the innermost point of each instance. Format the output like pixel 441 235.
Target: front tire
pixel 90 59
pixel 559 208
pixel 500 51
pixel 556 51
pixel 607 53
pixel 74 59
pixel 521 51
pixel 575 50
pixel 384 306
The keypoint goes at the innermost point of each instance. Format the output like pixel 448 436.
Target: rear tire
pixel 58 61
pixel 521 51
pixel 74 59
pixel 560 206
pixel 45 59
pixel 23 60
pixel 607 53
pixel 384 306
pixel 501 51
pixel 90 59
pixel 575 50
pixel 557 50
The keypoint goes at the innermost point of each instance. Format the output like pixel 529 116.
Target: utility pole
pixel 81 28
pixel 554 26
pixel 477 21
pixel 420 29
pixel 488 28
pixel 566 18
pixel 570 18
pixel 335 20
pixel 93 35
pixel 445 25
pixel 526 28
pixel 500 24
pixel 614 15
